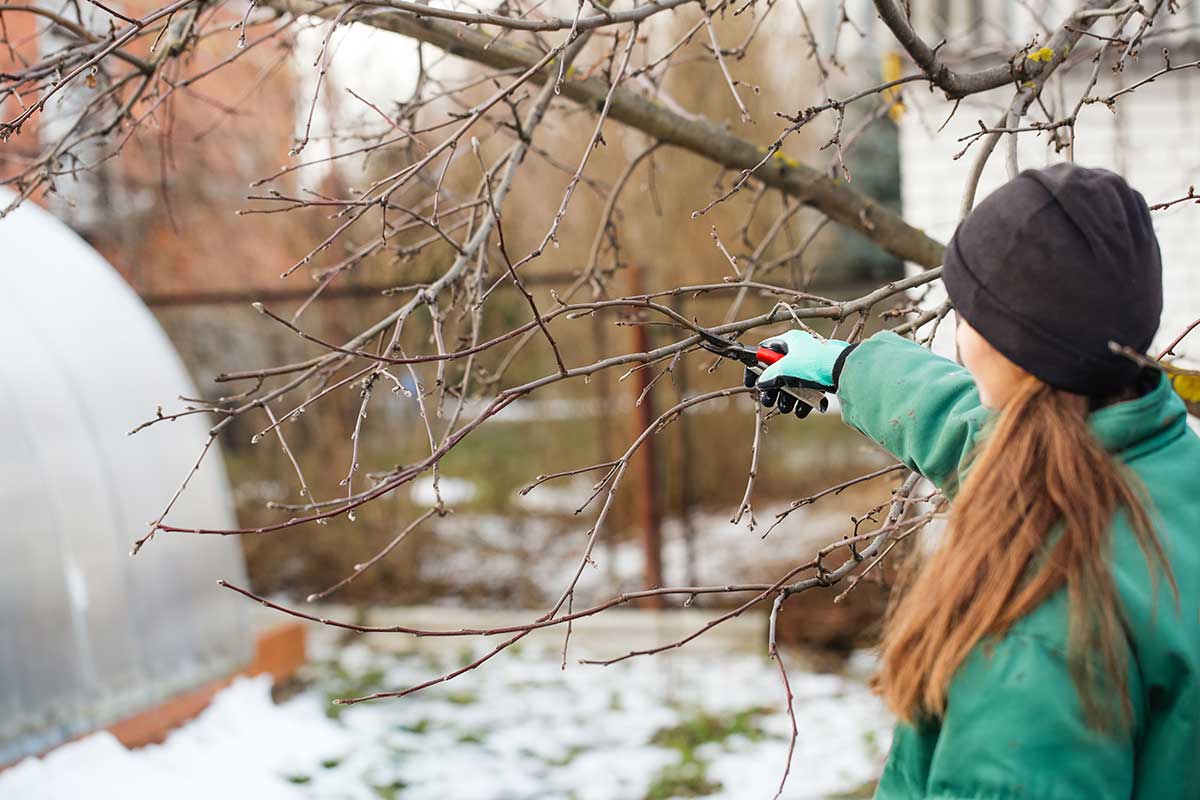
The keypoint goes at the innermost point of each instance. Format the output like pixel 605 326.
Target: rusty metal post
pixel 648 511
pixel 685 471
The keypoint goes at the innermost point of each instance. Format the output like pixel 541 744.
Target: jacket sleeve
pixel 922 408
pixel 1014 727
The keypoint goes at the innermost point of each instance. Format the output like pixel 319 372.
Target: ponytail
pixel 1035 513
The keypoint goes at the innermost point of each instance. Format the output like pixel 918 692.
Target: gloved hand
pixel 808 362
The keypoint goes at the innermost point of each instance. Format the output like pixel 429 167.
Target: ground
pixel 683 725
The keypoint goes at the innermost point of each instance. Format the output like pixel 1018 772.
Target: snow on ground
pixel 241 746
pixel 519 727
pixel 482 552
pixel 453 491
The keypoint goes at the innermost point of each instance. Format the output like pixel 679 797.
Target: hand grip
pixel 766 355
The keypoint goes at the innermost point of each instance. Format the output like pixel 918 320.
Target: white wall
pixel 1153 139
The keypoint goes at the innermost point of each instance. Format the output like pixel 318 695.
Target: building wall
pixel 1153 139
pixel 1151 136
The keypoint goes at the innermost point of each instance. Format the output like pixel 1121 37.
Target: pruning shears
pixel 755 360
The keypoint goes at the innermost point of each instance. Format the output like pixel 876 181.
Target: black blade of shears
pixel 725 348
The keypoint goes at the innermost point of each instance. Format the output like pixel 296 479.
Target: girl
pixel 1050 647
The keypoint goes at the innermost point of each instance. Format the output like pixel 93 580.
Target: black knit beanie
pixel 1054 265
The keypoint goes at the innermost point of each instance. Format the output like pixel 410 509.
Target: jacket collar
pixel 1145 423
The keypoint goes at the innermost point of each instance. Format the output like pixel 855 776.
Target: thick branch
pixel 832 197
pixel 1025 69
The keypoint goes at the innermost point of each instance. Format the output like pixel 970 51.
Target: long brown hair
pixel 1040 466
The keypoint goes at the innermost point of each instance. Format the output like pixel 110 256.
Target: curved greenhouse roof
pixel 89 635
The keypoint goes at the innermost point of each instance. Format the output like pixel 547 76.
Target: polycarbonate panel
pixel 89 635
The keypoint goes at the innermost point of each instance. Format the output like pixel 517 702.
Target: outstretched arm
pixel 922 408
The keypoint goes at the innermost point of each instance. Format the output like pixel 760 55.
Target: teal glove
pixel 808 362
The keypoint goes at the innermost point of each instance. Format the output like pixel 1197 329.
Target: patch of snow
pixel 518 728
pixel 455 491
pixel 540 410
pixel 242 745
pixel 538 554
pixel 558 409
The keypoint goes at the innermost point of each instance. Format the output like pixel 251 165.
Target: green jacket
pixel 1013 727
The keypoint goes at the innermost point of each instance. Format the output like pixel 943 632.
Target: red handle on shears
pixel 766 355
